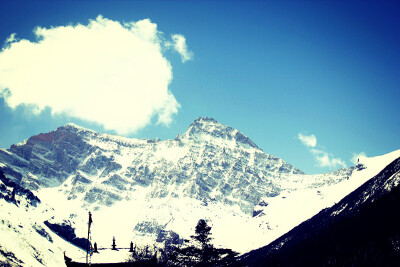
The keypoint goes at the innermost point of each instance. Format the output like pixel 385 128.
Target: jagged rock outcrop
pixel 12 192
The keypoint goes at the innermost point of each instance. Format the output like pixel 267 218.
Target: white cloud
pixel 358 156
pixel 103 72
pixel 325 159
pixel 307 140
pixel 179 44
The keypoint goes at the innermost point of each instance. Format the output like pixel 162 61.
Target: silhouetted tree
pixel 203 233
pixel 202 252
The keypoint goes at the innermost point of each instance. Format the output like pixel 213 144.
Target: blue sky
pixel 312 82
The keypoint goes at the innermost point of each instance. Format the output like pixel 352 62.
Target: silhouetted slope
pixel 363 229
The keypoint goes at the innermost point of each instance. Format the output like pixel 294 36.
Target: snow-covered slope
pixel 140 189
pixel 362 229
pixel 301 204
pixel 25 239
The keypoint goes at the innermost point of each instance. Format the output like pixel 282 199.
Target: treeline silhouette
pixel 198 251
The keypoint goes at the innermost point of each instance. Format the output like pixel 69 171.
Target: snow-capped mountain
pixel 209 161
pixel 142 190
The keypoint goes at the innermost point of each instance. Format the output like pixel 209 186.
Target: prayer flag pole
pixel 88 241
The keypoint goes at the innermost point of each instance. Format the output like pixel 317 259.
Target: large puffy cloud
pixel 105 72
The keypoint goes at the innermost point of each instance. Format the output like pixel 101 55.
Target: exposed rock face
pixel 67 232
pixel 52 157
pixel 12 192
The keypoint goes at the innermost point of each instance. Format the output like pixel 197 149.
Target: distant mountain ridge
pixel 208 157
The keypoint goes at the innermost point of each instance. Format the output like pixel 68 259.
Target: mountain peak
pixel 69 131
pixel 74 127
pixel 210 130
pixel 205 120
pixel 207 124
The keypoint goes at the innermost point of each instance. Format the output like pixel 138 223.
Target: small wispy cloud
pixel 322 157
pixel 11 38
pixel 111 73
pixel 307 140
pixel 179 45
pixel 325 159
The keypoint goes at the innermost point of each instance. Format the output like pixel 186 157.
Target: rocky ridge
pixel 209 161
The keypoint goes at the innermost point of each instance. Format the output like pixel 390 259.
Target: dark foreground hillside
pixel 361 230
